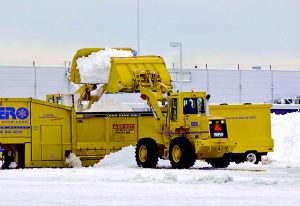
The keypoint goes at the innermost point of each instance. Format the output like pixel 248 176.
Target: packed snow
pixel 286 135
pixel 95 68
pixel 73 161
pixel 116 180
pixel 111 105
pixel 122 159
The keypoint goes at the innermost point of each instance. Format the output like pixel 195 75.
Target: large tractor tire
pixel 238 158
pixel 181 153
pixel 252 157
pixel 220 162
pixel 146 153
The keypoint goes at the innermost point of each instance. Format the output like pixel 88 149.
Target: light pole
pixel 138 27
pixel 178 44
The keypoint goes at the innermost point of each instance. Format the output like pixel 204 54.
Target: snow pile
pixel 13 165
pixel 170 177
pixel 213 178
pixel 123 158
pixel 73 161
pixel 286 135
pixel 95 68
pixel 110 105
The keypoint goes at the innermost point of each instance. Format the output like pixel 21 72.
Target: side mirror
pixel 207 97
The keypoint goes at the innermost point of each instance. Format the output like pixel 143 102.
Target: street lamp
pixel 138 27
pixel 178 44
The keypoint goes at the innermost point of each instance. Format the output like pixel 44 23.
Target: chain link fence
pixel 225 85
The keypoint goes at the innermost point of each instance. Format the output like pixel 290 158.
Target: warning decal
pixel 123 128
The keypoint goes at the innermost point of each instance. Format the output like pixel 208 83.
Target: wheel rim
pixel 143 153
pixel 176 153
pixel 251 157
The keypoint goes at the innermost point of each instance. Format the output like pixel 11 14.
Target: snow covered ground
pixel 116 180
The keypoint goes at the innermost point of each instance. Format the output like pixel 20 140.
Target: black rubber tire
pixel 151 158
pixel 187 157
pixel 220 162
pixel 252 157
pixel 238 158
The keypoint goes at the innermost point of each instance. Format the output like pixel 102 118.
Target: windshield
pixel 193 105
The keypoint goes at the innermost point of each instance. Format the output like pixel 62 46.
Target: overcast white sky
pixel 213 31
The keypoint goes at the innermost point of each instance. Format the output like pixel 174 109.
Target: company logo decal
pixel 7 113
pixel 194 124
pixel 22 113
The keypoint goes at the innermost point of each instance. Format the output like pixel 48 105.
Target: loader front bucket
pixel 74 74
pixel 128 74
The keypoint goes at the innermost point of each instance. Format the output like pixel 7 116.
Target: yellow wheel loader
pixel 184 130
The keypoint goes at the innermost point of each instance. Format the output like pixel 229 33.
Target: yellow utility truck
pixel 42 134
pixel 249 126
pixel 36 133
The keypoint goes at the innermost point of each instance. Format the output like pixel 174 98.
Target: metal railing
pixel 237 84
pixel 34 63
pixel 284 67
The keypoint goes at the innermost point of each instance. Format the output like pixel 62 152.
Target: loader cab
pixel 186 114
pixel 186 103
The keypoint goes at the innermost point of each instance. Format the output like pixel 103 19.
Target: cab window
pixel 193 105
pixel 173 104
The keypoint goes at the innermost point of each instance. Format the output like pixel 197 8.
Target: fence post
pixel 272 84
pixel 35 83
pixel 207 79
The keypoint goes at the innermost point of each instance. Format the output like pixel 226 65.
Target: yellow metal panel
pixel 212 148
pixel 91 152
pixel 51 142
pixel 146 127
pixel 126 72
pixel 17 140
pixel 248 125
pixel 44 116
pixel 27 154
pixel 107 134
pixel 73 136
pixel 91 130
pixel 102 135
pixel 15 100
pixel 36 143
pixel 49 163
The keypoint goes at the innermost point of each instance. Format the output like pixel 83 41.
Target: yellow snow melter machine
pixel 36 133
